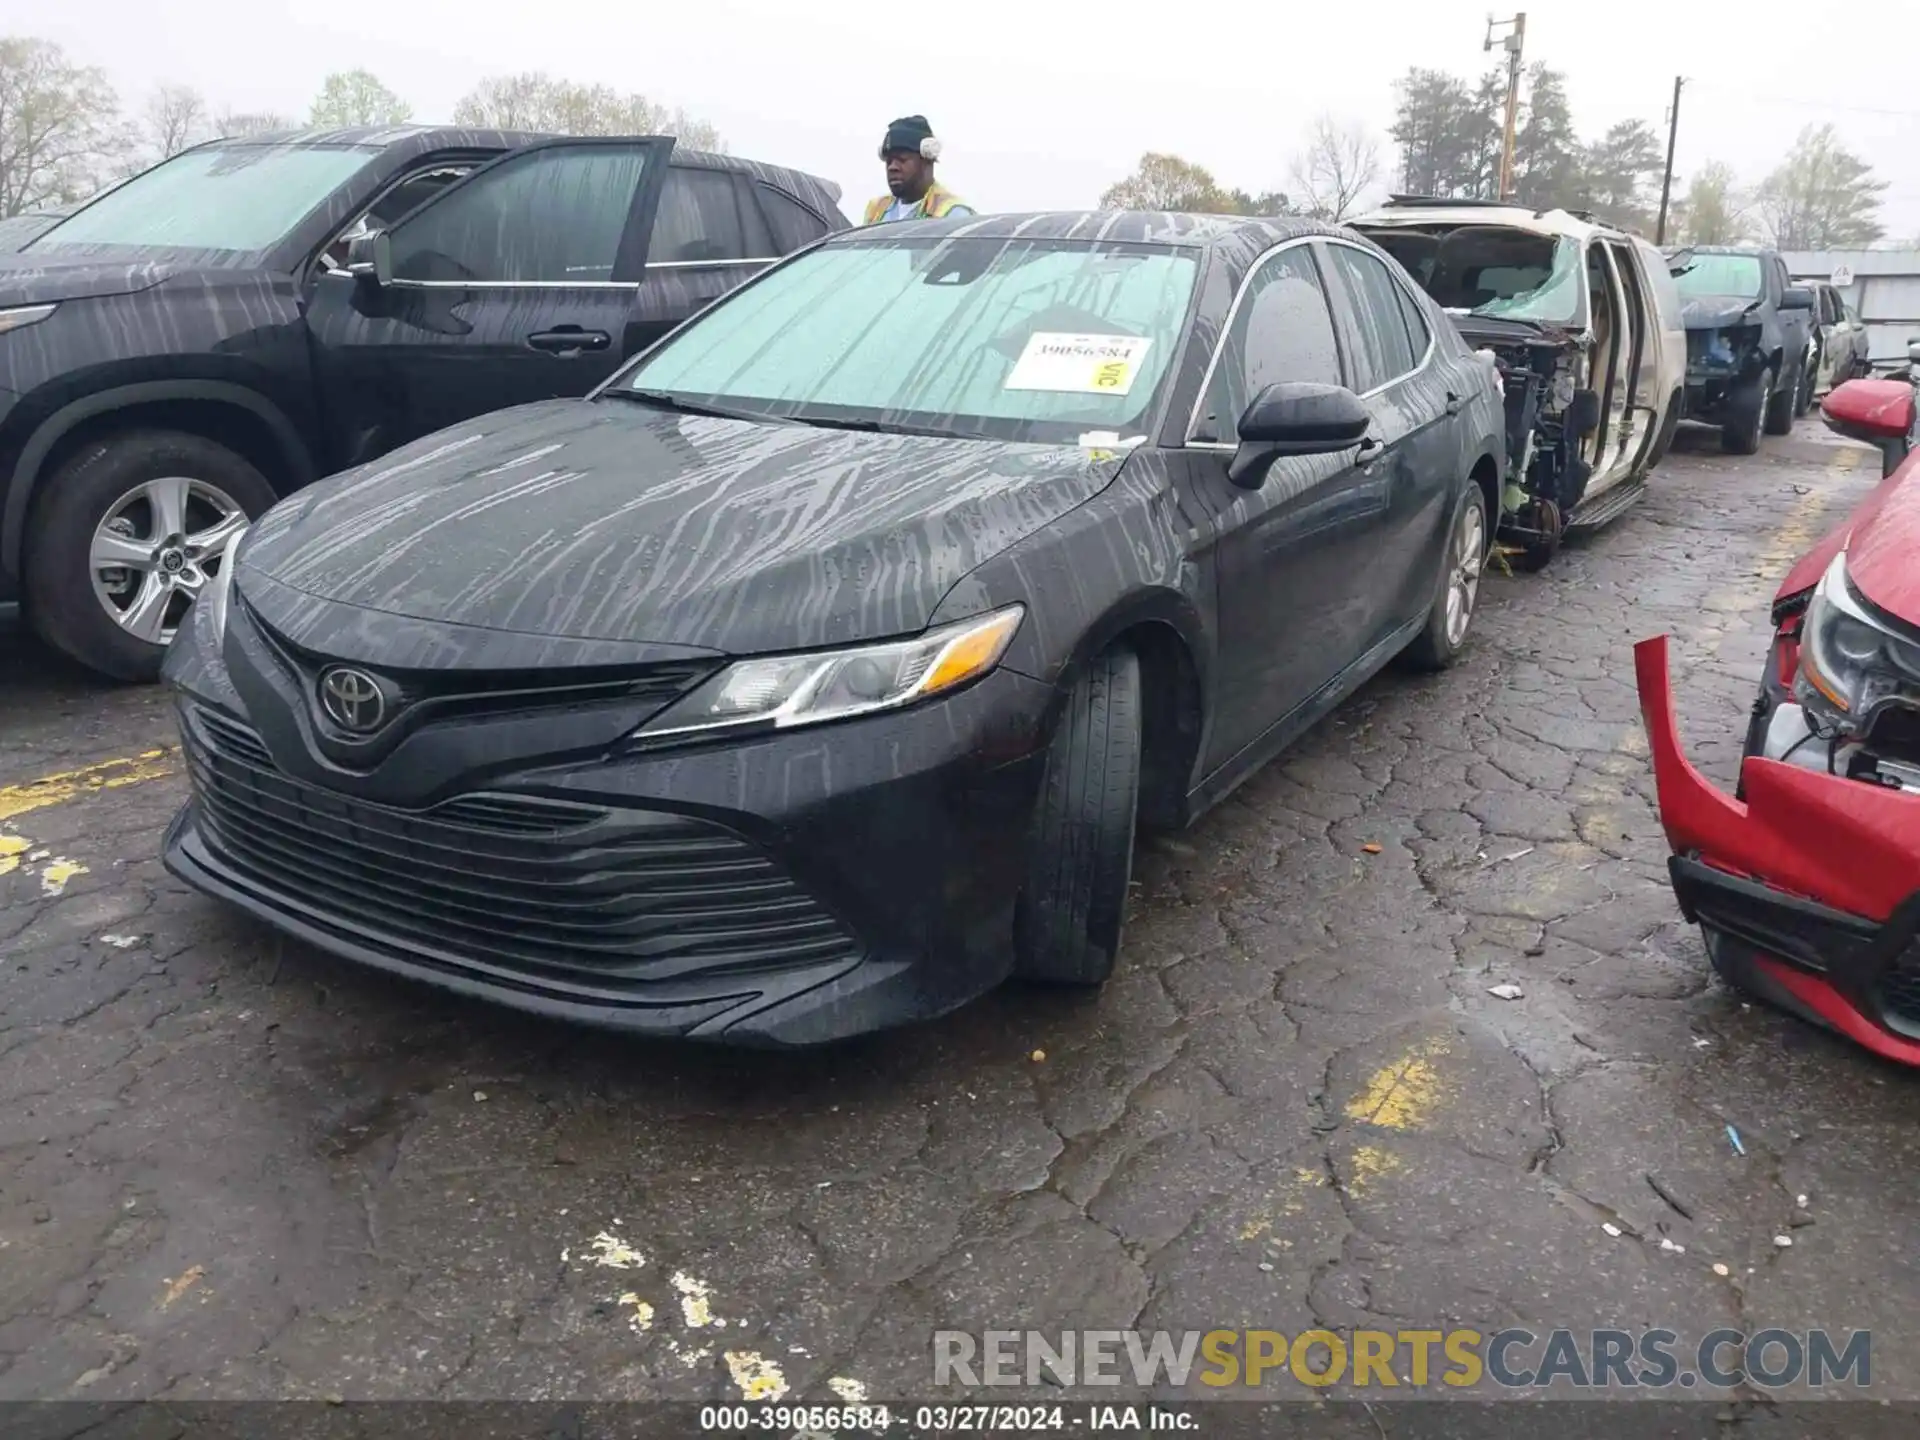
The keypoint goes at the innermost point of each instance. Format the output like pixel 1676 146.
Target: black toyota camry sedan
pixel 813 675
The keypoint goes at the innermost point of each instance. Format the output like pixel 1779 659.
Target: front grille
pixel 1900 984
pixel 551 889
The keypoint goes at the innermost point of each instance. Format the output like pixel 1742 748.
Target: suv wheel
pixel 1781 405
pixel 1740 435
pixel 124 535
pixel 1067 924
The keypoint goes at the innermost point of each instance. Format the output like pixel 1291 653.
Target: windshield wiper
pixel 875 427
pixel 684 406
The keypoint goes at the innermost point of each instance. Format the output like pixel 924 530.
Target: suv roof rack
pixel 1450 201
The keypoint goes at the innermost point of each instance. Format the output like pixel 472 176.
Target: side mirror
pixel 1880 412
pixel 370 257
pixel 1296 418
pixel 1796 297
pixel 1679 262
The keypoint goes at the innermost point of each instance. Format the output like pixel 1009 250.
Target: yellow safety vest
pixel 934 205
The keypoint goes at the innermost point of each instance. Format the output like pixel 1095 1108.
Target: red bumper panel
pixel 1809 886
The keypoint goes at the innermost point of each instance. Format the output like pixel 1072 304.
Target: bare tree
pixel 59 126
pixel 1339 164
pixel 237 124
pixel 534 100
pixel 1713 211
pixel 176 117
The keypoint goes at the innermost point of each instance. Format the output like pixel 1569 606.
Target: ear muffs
pixel 930 148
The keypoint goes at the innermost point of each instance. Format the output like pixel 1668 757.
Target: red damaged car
pixel 1806 884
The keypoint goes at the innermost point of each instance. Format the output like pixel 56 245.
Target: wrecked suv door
pixel 1590 356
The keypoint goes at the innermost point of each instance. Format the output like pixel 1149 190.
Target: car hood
pixel 32 277
pixel 610 521
pixel 1718 312
pixel 1884 539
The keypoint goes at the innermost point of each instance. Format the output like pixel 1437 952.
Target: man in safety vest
pixel 908 153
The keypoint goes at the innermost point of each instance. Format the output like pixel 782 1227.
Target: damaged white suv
pixel 1584 321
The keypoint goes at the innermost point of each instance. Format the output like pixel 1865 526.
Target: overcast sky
pixel 1044 105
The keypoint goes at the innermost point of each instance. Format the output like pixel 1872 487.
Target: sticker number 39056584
pixel 1082 364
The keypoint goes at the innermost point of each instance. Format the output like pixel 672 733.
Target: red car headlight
pixel 1852 663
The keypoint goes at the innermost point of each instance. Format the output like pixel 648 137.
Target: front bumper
pixel 790 890
pixel 1807 888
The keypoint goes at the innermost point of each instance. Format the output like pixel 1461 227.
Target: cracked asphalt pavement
pixel 231 1167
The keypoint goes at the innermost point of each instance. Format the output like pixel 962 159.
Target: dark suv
pixel 1749 342
pixel 239 320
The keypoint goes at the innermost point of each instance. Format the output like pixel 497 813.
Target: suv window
pixel 793 224
pixel 1386 351
pixel 555 214
pixel 700 219
pixel 1283 330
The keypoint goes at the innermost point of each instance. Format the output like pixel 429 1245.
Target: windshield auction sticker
pixel 1080 364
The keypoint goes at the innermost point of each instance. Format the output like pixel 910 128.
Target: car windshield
pixel 1491 270
pixel 228 197
pixel 1010 339
pixel 1544 287
pixel 1723 275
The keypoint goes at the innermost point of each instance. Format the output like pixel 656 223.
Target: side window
pixel 411 193
pixel 555 215
pixel 699 219
pixel 793 224
pixel 1417 329
pixel 1386 351
pixel 1283 330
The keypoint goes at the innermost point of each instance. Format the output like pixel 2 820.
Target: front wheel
pixel 1781 405
pixel 1445 635
pixel 1070 914
pixel 1740 435
pixel 124 535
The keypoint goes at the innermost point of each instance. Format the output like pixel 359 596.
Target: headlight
pixel 1851 665
pixel 21 316
pixel 222 582
pixel 780 691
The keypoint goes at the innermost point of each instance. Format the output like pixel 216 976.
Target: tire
pixel 1780 408
pixel 1450 617
pixel 1669 427
pixel 1068 920
pixel 1536 555
pixel 1740 435
pixel 99 494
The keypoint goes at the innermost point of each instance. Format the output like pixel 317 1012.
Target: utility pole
pixel 1666 180
pixel 1516 40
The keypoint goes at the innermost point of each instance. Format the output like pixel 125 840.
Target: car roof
pixel 1422 210
pixel 419 139
pixel 1143 227
pixel 1729 249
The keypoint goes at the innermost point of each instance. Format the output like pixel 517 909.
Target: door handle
pixel 564 339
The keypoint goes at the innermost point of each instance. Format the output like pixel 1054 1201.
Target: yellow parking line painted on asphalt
pixel 1401 1095
pixel 50 790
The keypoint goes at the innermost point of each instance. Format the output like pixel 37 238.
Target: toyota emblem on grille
pixel 353 700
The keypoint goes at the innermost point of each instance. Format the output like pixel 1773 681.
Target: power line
pixel 1788 102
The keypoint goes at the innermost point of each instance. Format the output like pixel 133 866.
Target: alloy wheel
pixel 1463 574
pixel 156 547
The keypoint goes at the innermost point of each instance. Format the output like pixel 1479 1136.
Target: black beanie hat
pixel 909 133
